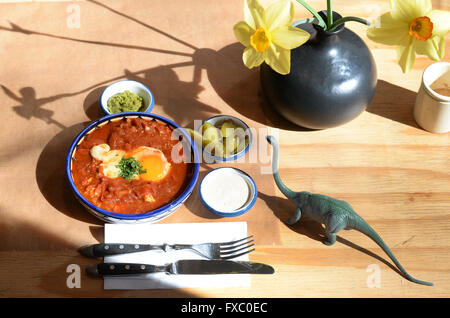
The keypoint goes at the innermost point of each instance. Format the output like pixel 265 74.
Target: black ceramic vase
pixel 332 79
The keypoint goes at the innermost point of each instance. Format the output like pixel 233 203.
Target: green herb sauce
pixel 125 102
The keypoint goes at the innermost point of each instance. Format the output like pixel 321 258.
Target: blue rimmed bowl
pixel 217 183
pixel 219 119
pixel 132 86
pixel 150 216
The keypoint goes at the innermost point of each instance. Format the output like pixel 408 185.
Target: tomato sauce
pixel 119 195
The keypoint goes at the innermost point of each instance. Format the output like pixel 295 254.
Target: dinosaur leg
pixel 330 239
pixel 333 224
pixel 294 219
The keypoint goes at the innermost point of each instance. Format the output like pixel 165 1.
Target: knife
pixel 181 267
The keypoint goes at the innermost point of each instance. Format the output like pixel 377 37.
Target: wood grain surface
pixel 52 72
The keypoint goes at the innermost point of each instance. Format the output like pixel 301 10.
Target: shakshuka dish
pixel 126 166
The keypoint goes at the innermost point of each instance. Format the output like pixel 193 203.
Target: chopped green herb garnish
pixel 129 167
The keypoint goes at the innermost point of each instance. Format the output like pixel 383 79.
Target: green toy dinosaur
pixel 335 214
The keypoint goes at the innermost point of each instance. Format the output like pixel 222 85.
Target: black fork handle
pixel 105 249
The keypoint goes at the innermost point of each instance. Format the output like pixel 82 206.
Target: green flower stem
pixel 314 13
pixel 347 19
pixel 302 21
pixel 329 14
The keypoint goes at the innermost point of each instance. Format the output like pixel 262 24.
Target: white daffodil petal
pixel 243 32
pixel 408 10
pixel 289 37
pixel 278 58
pixel 433 47
pixel 406 56
pixel 251 58
pixel 441 21
pixel 254 14
pixel 387 30
pixel 279 14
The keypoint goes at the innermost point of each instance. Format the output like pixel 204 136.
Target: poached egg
pixel 152 160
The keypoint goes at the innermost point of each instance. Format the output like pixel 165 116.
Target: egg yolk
pixel 154 167
pixel 153 162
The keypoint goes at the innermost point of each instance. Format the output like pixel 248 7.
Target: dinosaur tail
pixel 362 226
pixel 283 188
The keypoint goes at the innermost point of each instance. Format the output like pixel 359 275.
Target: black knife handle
pixel 105 249
pixel 111 269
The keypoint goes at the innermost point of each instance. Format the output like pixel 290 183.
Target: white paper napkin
pixel 183 233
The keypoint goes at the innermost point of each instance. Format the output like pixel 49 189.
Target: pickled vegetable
pixel 230 145
pixel 227 129
pixel 210 133
pixel 223 140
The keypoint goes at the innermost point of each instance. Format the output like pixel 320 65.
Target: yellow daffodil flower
pixel 268 35
pixel 413 27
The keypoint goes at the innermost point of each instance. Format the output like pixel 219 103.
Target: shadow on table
pixel 19 234
pixel 394 102
pixel 91 104
pixel 238 86
pixel 283 209
pixel 59 279
pixel 234 83
pixel 31 106
pixel 51 175
pixel 176 98
pixel 98 233
pixel 13 27
pixel 172 92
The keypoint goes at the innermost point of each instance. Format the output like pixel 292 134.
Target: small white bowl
pixel 132 86
pixel 217 190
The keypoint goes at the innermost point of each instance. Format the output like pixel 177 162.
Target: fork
pixel 224 250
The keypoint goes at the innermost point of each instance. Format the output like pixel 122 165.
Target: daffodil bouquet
pixel 269 35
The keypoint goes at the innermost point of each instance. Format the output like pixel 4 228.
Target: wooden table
pixel 53 69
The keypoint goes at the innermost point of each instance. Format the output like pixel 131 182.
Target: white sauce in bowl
pixel 225 190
